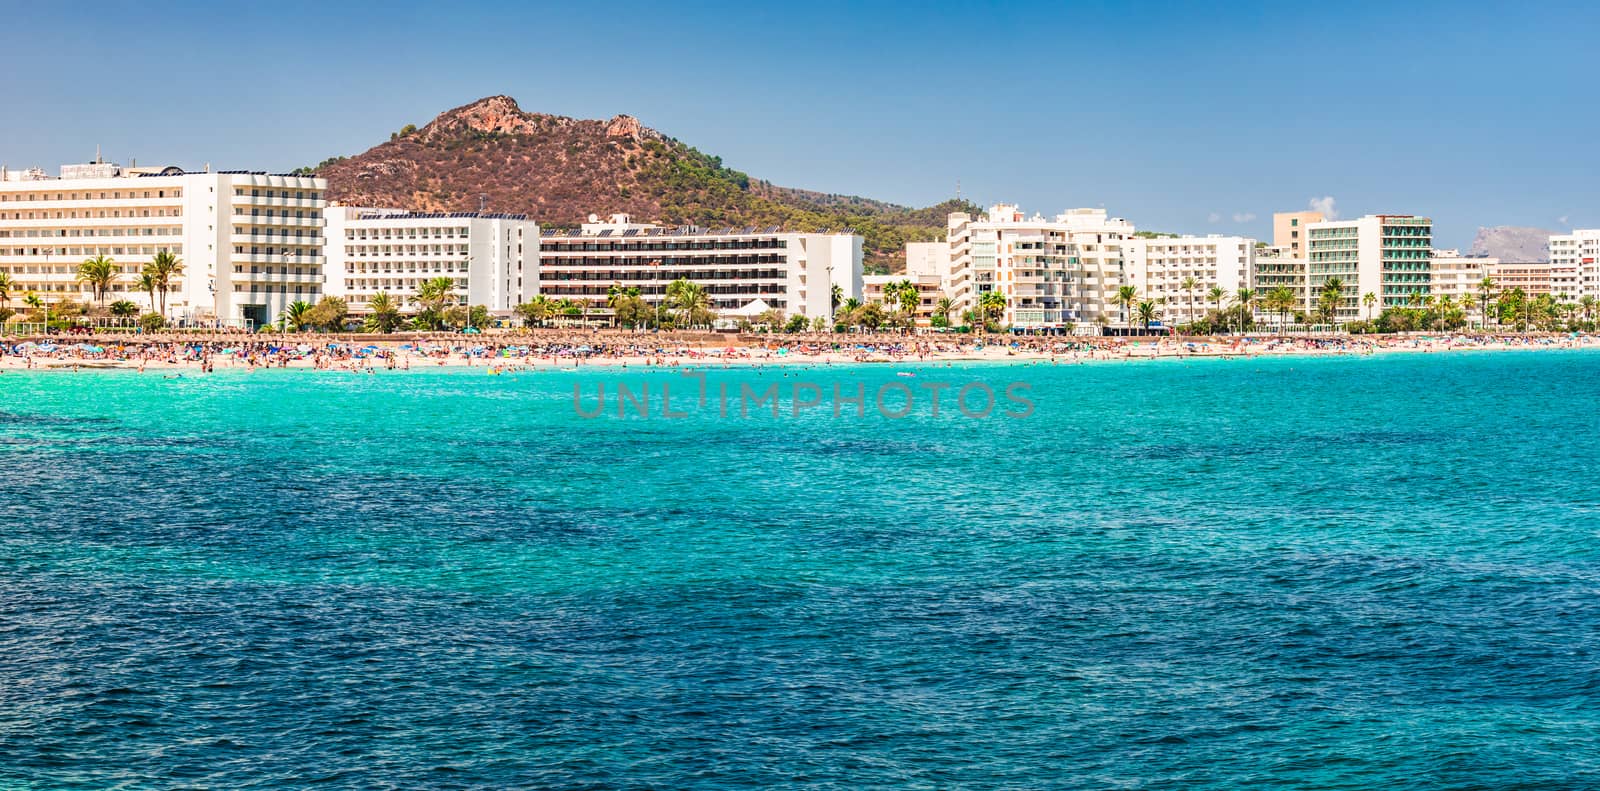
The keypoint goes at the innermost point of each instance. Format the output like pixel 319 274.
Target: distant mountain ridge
pixel 1513 244
pixel 558 170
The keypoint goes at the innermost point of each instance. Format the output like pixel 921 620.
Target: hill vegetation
pixel 559 170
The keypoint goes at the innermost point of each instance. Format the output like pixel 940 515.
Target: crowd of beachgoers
pixel 567 349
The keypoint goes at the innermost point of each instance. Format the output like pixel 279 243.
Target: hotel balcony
pixel 241 220
pixel 290 258
pixel 291 203
pixel 263 277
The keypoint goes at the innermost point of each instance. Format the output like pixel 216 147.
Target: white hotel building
pixel 1579 251
pixel 1459 277
pixel 744 271
pixel 493 258
pixel 250 242
pixel 1160 267
pixel 1055 273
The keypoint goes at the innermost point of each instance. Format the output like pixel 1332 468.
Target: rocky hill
pixel 1513 244
pixel 559 170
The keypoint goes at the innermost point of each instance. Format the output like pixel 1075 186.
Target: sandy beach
pixel 551 350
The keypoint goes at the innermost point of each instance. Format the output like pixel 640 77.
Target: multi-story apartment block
pixel 493 258
pixel 249 242
pixel 1056 273
pixel 1179 271
pixel 1537 279
pixel 1459 277
pixel 1274 268
pixel 1580 251
pixel 744 271
pixel 1289 231
pixel 1386 255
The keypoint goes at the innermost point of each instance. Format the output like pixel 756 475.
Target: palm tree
pixel 123 309
pixel 1147 313
pixel 535 311
pixel 1245 297
pixel 1444 305
pixel 992 305
pixel 848 312
pixel 1587 304
pixel 1126 296
pixel 5 289
pixel 33 300
pixel 691 301
pixel 1368 300
pixel 432 294
pixel 1217 294
pixel 1332 298
pixel 147 284
pixel 296 315
pixel 836 295
pixel 903 295
pixel 1281 300
pixel 1189 285
pixel 163 267
pixel 384 314
pixel 943 307
pixel 614 299
pixel 98 273
pixel 1485 288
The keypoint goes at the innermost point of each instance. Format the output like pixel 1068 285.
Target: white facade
pixel 1056 273
pixel 1579 251
pixel 739 268
pixel 1384 255
pixel 494 258
pixel 249 242
pixel 1159 268
pixel 1278 267
pixel 1460 277
pixel 928 259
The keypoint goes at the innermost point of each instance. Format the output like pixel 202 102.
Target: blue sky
pixel 1176 116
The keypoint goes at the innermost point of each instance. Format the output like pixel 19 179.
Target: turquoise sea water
pixel 1354 573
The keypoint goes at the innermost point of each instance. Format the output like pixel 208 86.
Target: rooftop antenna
pixel 483 203
pixel 958 189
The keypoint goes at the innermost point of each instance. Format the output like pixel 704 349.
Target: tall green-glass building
pixel 1380 260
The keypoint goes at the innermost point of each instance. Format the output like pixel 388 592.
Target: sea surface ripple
pixel 1293 573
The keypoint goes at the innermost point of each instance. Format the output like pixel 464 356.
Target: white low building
pixel 249 242
pixel 493 258
pixel 738 267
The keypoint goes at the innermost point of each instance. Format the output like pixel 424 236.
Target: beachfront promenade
pixel 526 349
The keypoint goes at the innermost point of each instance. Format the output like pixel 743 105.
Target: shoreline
pixel 495 355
